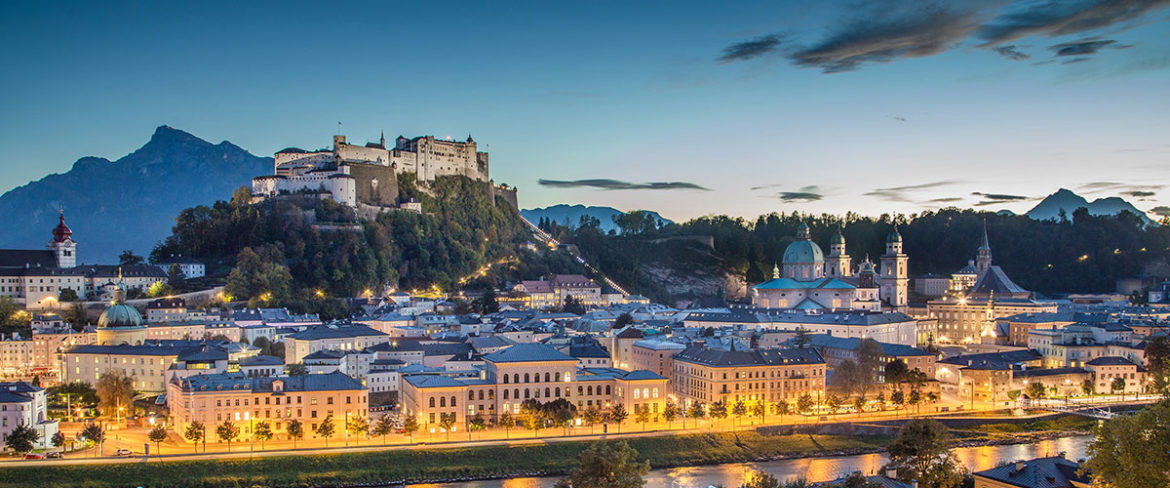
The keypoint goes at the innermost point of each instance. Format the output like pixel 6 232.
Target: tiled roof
pixel 261 360
pixel 994 279
pixel 757 357
pixel 237 381
pixel 431 381
pixel 1050 472
pixel 319 332
pixel 528 352
pixel 1111 361
pixel 20 258
pixel 851 343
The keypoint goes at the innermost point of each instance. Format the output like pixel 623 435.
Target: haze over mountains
pixel 130 203
pixel 570 215
pixel 1065 200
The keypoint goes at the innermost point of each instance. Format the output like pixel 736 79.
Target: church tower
pixel 62 244
pixel 983 257
pixel 838 264
pixel 894 279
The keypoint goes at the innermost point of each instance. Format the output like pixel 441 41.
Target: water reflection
pixel 812 469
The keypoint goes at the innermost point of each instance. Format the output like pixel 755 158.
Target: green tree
pixel 296 431
pixel 696 411
pixel 1132 451
pixel 263 433
pixel 896 372
pixel 804 403
pixel 618 414
pixel 1036 390
pixel 718 410
pixel 194 433
pixel 760 479
pixel 21 438
pixel 1158 362
pixel 643 416
pixel 573 305
pixel 410 426
pixel 68 295
pixel 227 432
pixel 914 399
pixel 858 404
pixel 739 409
pixel 534 417
pixel 115 392
pixel 834 402
pixel 1117 385
pixel 58 439
pixel 623 320
pixel 297 369
pixel 781 408
pixel 607 465
pixel 669 413
pixel 1087 387
pixel 93 433
pixel 157 435
pixel 507 421
pixel 869 359
pixel 489 303
pixel 175 276
pixel 359 427
pixel 128 258
pixel 921 452
pixel 591 416
pixel 383 426
pixel 326 429
pixel 898 398
pixel 477 422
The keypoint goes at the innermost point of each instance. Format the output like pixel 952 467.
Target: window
pixel 432 402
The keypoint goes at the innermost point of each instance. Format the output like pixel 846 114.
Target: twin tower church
pixel 807 280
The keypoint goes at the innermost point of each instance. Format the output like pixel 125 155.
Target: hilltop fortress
pixel 367 175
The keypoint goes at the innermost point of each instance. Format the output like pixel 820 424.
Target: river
pixel 814 469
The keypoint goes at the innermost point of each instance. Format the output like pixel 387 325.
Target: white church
pixel 807 280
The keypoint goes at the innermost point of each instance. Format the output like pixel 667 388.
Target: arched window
pixel 636 396
pixel 558 391
pixel 527 393
pixel 590 389
pixel 471 395
pixel 547 377
pixel 481 394
pixel 492 394
pixel 432 402
pixel 505 394
pixel 516 393
pixel 557 376
pixel 505 379
pixel 452 400
pixel 606 389
pixel 442 401
pixel 581 390
pixel 527 379
pixel 546 392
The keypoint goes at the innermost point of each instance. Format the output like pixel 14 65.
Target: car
pixel 123 452
pixel 53 454
pixel 33 455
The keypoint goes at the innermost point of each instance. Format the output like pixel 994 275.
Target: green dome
pixel 120 315
pixel 894 236
pixel 803 252
pixel 838 239
pixel 867 268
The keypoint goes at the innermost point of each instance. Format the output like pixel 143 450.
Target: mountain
pixel 1066 200
pixel 130 203
pixel 569 215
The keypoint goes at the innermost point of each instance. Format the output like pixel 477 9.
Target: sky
pixel 686 108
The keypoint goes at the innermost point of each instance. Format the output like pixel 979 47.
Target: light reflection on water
pixel 812 469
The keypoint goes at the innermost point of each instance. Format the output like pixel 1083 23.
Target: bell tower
pixel 894 278
pixel 63 245
pixel 983 256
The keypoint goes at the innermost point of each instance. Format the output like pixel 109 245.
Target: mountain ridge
pixel 560 212
pixel 1067 201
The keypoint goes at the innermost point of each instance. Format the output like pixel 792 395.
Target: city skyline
pixel 742 111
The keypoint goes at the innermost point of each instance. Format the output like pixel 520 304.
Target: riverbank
pixel 380 468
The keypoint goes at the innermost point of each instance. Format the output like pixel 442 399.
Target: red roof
pixel 61 232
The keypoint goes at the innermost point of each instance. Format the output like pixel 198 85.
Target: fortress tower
pixel 62 244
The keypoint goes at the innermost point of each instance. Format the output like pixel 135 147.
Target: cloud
pixel 898 118
pixel 899 193
pixel 945 200
pixel 1057 18
pixel 609 184
pixel 809 193
pixel 1114 186
pixel 764 187
pixel 742 51
pixel 1012 53
pixel 1162 211
pixel 1139 193
pixel 1083 47
pixel 999 197
pixel 916 33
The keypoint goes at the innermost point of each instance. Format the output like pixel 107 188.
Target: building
pixel 189 267
pixel 120 323
pixel 212 399
pixel 654 356
pixel 354 337
pixel 706 375
pixel 166 310
pixel 24 404
pixel 528 371
pixel 1048 472
pixel 889 327
pixel 535 295
pixel 836 350
pixel 932 285
pixel 970 320
pixel 584 290
pixel 1018 325
pixel 963 279
pixel 1107 369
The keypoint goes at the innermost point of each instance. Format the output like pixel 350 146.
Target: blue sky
pixel 870 107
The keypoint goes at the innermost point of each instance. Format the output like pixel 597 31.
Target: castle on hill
pixel 810 281
pixel 366 175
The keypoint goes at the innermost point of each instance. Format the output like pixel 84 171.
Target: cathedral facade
pixel 808 280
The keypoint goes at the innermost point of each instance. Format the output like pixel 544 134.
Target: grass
pixel 1066 424
pixel 430 464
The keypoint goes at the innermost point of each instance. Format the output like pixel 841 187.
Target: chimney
pixel 892 473
pixel 1019 466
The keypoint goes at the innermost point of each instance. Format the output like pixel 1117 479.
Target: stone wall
pixel 375 185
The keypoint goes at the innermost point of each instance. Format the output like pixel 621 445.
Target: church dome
pixel 867 268
pixel 120 315
pixel 894 236
pixel 838 238
pixel 803 252
pixel 61 232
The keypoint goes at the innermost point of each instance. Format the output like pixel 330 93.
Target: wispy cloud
pixel 901 193
pixel 609 184
pixel 1162 211
pixel 997 198
pixel 1082 47
pixel 945 200
pixel 1139 193
pixel 809 193
pixel 1058 18
pixel 754 48
pixel 1119 187
pixel 1012 53
pixel 765 187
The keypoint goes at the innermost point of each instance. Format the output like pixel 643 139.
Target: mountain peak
pixel 168 134
pixel 1066 201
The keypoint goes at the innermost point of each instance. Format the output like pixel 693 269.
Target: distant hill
pixel 130 203
pixel 569 215
pixel 1066 200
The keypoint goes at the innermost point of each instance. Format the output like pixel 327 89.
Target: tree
pixel 477 422
pixel 669 413
pixel 801 339
pixel 296 431
pixel 760 479
pixel 359 427
pixel 833 401
pixel 157 435
pixel 383 426
pixel 921 452
pixel 607 465
pixel 849 378
pixel 1132 451
pixel 619 414
pixel 591 416
pixel 227 432
pixel 410 426
pixel 643 417
pixel 533 415
pixel 93 433
pixel 1158 362
pixel 488 302
pixel 898 398
pixel 623 320
pixel 858 404
pixel 869 358
pixel 115 392
pixel 446 422
pixel 696 411
pixel 507 421
pixel 758 410
pixel 262 432
pixel 175 276
pixel 326 428
pixel 298 369
pixel 895 372
pixel 560 412
pixel 1117 385
pixel 739 409
pixel 718 410
pixel 68 295
pixel 1036 390
pixel 194 433
pixel 914 399
pixel 128 258
pixel 58 439
pixel 781 408
pixel 804 403
pixel 22 438
pixel 159 289
pixel 1087 387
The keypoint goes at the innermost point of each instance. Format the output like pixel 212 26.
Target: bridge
pixel 553 243
pixel 1082 409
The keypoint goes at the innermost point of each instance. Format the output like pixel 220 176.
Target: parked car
pixel 123 452
pixel 33 455
pixel 53 454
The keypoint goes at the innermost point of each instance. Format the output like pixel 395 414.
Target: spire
pixel 986 244
pixel 382 139
pixel 775 271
